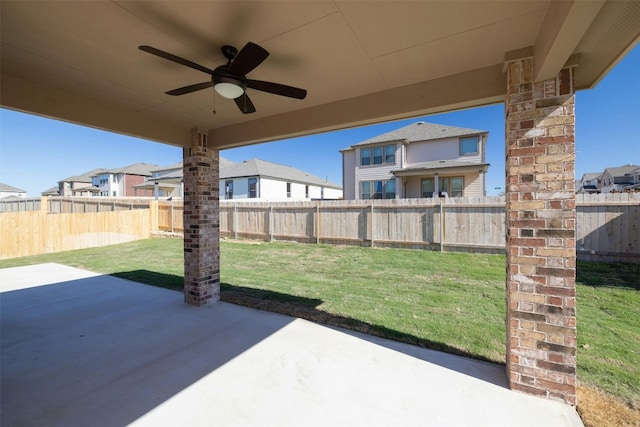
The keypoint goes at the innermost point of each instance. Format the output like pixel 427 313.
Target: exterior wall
pixel 541 233
pixel 127 183
pixel 349 174
pixel 406 155
pixel 473 184
pixel 19 194
pixel 275 190
pixel 375 172
pixel 443 149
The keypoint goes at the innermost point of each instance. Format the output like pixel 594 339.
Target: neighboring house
pixel 251 180
pixel 419 160
pixel 121 182
pixel 9 191
pixel 259 180
pixel 168 181
pixel 53 191
pixel 78 185
pixel 620 178
pixel 590 183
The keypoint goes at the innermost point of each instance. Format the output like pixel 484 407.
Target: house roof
pixel 421 131
pixel 53 191
pixel 620 171
pixel 224 162
pixel 9 188
pixel 257 167
pixel 591 175
pixel 135 169
pixel 85 177
pixel 440 165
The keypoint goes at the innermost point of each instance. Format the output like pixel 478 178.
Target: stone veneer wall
pixel 541 244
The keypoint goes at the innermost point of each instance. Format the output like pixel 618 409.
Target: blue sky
pixel 35 153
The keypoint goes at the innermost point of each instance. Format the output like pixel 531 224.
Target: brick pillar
pixel 201 222
pixel 541 254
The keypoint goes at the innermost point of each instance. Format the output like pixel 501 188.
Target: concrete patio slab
pixel 85 349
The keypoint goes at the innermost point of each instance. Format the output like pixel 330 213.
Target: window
pixel 365 190
pixel 427 187
pixel 453 186
pixel 378 189
pixel 253 188
pixel 390 189
pixel 306 191
pixel 378 155
pixel 288 189
pixel 365 156
pixel 469 146
pixel 456 187
pixel 228 189
pixel 114 194
pixel 390 154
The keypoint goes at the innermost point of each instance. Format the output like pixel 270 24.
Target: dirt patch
pixel 600 410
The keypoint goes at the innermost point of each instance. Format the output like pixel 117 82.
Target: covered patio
pixel 80 348
pixel 360 63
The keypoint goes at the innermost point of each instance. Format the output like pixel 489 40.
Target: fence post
pixel 442 233
pixel 372 224
pixel 235 220
pixel 271 223
pixel 318 222
pixel 172 215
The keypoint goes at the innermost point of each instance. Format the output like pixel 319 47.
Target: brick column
pixel 541 255
pixel 201 222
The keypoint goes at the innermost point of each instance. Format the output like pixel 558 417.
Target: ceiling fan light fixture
pixel 229 87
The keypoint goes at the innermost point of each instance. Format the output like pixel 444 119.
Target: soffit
pixel 361 62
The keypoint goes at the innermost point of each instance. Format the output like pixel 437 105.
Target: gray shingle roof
pixel 621 171
pixel 6 187
pixel 257 167
pixel 591 175
pixel 421 131
pixel 224 162
pixel 85 177
pixel 136 169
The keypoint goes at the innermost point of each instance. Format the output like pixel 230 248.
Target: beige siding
pixel 349 174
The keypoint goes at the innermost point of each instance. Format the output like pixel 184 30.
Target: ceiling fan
pixel 230 80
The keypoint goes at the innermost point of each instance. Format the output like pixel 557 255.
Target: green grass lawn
pixel 453 302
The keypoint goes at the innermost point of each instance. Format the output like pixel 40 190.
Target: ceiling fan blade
pixel 248 58
pixel 277 88
pixel 244 104
pixel 190 88
pixel 174 58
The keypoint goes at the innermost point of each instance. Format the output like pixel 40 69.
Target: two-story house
pixel 620 178
pixel 121 182
pixel 589 183
pixel 77 185
pixel 419 160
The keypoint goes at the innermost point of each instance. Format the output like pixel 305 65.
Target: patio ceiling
pixel 361 62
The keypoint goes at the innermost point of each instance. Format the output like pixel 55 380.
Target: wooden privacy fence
pixel 476 223
pixel 33 232
pixel 607 225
